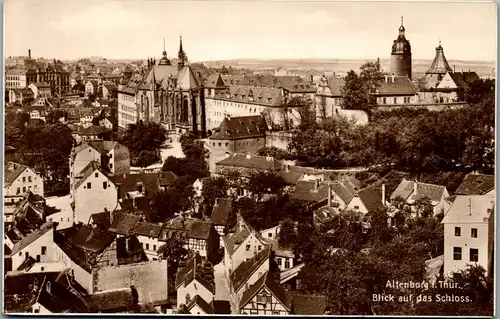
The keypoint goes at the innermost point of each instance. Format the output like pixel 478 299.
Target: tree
pixel 273 151
pixel 371 75
pixel 175 199
pixel 173 250
pixel 144 142
pixel 287 236
pixel 355 93
pixel 261 183
pixel 214 187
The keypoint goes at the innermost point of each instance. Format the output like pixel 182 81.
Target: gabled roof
pixel 88 171
pixel 470 209
pixel 223 208
pixel 293 84
pixel 406 188
pixel 191 228
pixel 251 161
pixel 400 86
pixel 241 274
pixel 124 223
pixel 275 288
pixel 311 191
pixel 252 95
pixel 344 190
pixel 463 79
pixel 29 239
pixel 110 86
pixel 102 220
pixel 371 197
pixel 476 184
pixel 240 127
pixel 41 85
pixel 86 237
pixel 333 83
pixel 93 130
pixel 59 299
pixel 12 171
pixel 150 279
pixel 186 79
pixel 201 303
pixel 104 146
pixel 439 65
pixel 215 81
pixel 192 271
pixel 150 184
pixel 147 229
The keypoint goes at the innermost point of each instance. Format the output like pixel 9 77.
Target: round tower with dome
pixel 401 54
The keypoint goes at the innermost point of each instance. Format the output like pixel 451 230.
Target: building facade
pixel 401 54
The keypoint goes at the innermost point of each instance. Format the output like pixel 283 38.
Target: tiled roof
pixel 110 300
pixel 333 83
pixel 293 84
pixel 103 146
pixel 221 211
pixel 87 172
pixel 200 302
pixel 124 223
pixel 476 184
pixel 59 299
pixel 12 171
pixel 86 237
pixel 371 197
pixel 150 279
pixel 129 250
pixel 275 288
pixel 406 188
pixel 240 127
pixel 26 241
pixel 186 79
pixel 439 65
pixel 215 81
pixel 463 79
pixel 147 229
pixel 344 190
pixel 468 209
pixel 102 220
pixel 324 214
pixel 192 271
pixel 252 95
pixel 241 274
pixel 311 191
pixel 200 230
pixel 251 161
pixel 150 184
pixel 110 86
pixel 167 177
pixel 93 130
pixel 400 86
pixel 306 304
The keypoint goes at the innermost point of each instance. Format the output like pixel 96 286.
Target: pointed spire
pixel 183 60
pixel 164 44
pixel 440 64
pixel 401 20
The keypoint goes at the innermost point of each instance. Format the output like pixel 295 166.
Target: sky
pixel 220 30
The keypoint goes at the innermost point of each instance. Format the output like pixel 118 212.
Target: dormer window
pixel 140 187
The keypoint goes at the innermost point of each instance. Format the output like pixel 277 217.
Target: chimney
pixel 47 287
pixel 453 68
pixel 311 79
pixel 316 184
pixel 415 187
pixel 385 76
pixel 383 194
pixel 216 201
pixel 287 168
pixel 269 158
pixel 329 195
pixel 127 244
pixel 393 78
pixel 249 156
pixel 29 54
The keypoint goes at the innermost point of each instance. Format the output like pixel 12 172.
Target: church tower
pixel 401 54
pixel 183 60
pixel 438 69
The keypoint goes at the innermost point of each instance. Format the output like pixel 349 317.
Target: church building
pixel 401 55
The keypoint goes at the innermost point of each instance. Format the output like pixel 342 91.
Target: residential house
pixel 476 184
pixel 394 90
pixel 39 245
pixel 109 122
pixel 93 191
pixel 284 256
pixel 247 274
pixel 223 216
pixel 453 86
pixel 190 283
pixel 241 245
pixel 149 281
pixel 313 193
pixel 328 101
pixel 109 90
pixel 245 134
pixel 92 88
pixel 198 306
pixel 367 200
pixel 40 90
pixel 19 180
pixel 266 297
pixel 198 187
pixel 86 116
pixel 468 233
pixel 410 192
pixel 90 133
pixel 148 235
pixel 21 95
pixel 100 103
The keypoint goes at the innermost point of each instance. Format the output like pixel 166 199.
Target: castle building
pixel 401 54
pixel 167 94
pixel 438 69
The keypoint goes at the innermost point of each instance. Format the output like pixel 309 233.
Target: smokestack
pixel 383 194
pixel 29 54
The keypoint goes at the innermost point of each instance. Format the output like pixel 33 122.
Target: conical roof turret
pixel 439 65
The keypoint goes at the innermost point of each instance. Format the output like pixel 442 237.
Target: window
pixel 147 246
pixel 104 185
pixel 356 207
pixel 276 312
pixel 253 311
pixel 278 261
pixel 227 144
pixel 24 179
pixel 29 179
pixel 96 174
pixel 260 247
pixel 154 247
pixel 37 311
pixel 457 253
pixel 18 191
pixel 261 299
pixel 24 189
pixel 26 255
pixel 269 299
pixel 269 235
pixel 44 250
pixel 287 263
pixel 220 144
pixel 458 231
pixel 395 100
pixel 473 233
pixel 89 185
pixel 474 255
pixel 37 258
pixel 20 253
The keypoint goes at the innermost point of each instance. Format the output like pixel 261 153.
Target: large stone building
pixel 167 94
pixel 438 69
pixel 401 54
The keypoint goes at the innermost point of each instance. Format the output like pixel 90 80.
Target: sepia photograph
pixel 260 158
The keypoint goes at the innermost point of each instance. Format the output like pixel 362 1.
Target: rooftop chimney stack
pixel 415 187
pixel 29 54
pixel 393 78
pixel 385 76
pixel 383 194
pixel 329 195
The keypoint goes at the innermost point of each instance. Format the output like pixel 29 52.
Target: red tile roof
pixel 476 184
pixel 400 86
pixel 233 128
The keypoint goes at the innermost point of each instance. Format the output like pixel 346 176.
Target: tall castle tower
pixel 401 54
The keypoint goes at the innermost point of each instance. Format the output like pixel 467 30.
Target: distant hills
pixel 483 68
